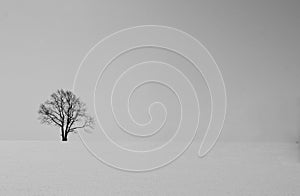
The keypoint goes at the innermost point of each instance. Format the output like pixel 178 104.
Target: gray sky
pixel 255 43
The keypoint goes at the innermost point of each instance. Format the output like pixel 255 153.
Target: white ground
pixel 53 168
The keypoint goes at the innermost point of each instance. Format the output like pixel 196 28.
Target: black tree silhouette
pixel 65 110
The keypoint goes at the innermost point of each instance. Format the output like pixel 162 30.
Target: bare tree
pixel 65 110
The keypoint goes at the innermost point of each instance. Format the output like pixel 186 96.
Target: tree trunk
pixel 64 137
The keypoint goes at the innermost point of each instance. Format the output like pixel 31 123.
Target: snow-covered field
pixel 53 168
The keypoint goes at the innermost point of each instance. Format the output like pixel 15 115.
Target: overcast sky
pixel 255 43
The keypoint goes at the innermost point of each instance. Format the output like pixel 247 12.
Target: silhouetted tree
pixel 65 110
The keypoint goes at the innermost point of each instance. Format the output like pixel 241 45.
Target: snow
pixel 54 168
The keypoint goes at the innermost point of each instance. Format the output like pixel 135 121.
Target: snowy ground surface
pixel 53 168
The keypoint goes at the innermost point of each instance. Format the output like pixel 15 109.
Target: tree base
pixel 64 139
